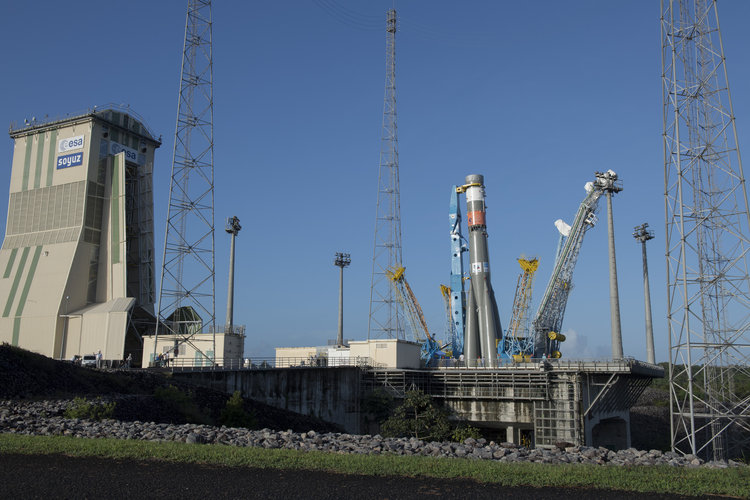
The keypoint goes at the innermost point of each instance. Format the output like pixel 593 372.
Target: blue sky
pixel 535 95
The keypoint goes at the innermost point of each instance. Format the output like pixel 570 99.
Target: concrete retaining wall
pixel 331 394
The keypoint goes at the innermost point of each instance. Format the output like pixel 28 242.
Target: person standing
pixel 99 359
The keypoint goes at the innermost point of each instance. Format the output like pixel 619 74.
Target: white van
pixel 89 360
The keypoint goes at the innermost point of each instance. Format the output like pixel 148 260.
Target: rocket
pixel 483 330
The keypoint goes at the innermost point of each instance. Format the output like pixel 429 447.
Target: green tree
pixel 418 417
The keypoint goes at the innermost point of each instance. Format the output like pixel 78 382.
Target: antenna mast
pixel 707 228
pixel 386 316
pixel 187 290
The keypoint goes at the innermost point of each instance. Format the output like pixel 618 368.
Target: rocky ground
pixel 45 418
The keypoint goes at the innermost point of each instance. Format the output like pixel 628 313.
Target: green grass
pixel 662 479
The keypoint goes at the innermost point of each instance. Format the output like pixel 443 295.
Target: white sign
pixel 480 267
pixel 70 144
pixel 131 155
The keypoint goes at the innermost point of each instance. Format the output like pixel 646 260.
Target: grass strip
pixel 660 479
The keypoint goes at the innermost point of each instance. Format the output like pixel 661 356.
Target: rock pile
pixel 46 418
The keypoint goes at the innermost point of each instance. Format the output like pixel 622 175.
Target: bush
pixel 183 404
pixel 234 414
pixel 379 404
pixel 418 417
pixel 95 410
pixel 462 432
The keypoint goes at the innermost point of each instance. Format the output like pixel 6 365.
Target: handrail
pixel 122 108
pixel 184 363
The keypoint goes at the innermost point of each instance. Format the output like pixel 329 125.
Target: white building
pixel 381 353
pixel 77 261
pixel 226 350
pixel 387 353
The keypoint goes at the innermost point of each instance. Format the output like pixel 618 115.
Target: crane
pixel 518 341
pixel 405 295
pixel 549 316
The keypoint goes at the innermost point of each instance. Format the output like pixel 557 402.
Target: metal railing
pixel 184 363
pixel 584 364
pixel 47 120
pixel 263 363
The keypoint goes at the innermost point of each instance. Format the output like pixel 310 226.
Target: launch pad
pixel 549 403
pixel 544 404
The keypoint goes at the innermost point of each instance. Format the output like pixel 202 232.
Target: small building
pixel 197 350
pixel 387 353
pixel 382 353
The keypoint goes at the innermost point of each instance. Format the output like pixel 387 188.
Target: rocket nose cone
pixel 475 179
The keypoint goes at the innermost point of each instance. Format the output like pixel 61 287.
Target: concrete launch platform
pixel 544 404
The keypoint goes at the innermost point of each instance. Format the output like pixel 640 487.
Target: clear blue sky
pixel 535 95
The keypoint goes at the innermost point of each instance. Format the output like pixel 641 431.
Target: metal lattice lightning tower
pixel 386 315
pixel 707 228
pixel 187 298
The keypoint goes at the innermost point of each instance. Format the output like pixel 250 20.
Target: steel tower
pixel 707 228
pixel 187 291
pixel 386 316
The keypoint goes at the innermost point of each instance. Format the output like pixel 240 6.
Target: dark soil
pixel 58 476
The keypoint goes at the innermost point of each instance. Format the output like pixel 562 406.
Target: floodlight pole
pixel 342 260
pixel 610 185
pixel 233 227
pixel 643 234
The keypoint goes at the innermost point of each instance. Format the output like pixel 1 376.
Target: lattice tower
pixel 707 228
pixel 187 298
pixel 386 314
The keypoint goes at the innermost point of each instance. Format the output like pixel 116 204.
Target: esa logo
pixel 130 154
pixel 71 160
pixel 70 144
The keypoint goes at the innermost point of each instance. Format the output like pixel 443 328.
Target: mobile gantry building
pixel 77 261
